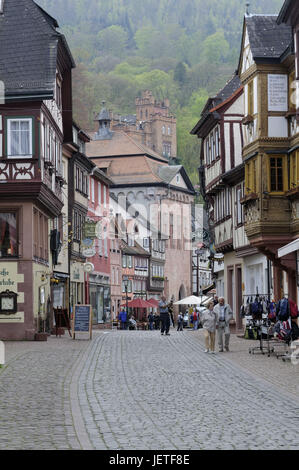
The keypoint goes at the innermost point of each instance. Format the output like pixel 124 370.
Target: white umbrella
pixel 208 299
pixel 192 300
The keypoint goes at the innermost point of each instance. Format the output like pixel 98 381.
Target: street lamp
pixel 126 284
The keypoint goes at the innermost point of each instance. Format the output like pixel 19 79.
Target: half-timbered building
pixel 35 121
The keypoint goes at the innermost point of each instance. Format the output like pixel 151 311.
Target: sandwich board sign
pixel 82 320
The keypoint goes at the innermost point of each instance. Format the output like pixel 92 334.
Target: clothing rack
pixel 262 326
pixel 265 327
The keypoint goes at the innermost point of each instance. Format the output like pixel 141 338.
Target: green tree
pixel 112 40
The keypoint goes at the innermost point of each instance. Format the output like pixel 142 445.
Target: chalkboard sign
pixel 82 320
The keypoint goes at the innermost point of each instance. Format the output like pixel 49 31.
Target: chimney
pixel 247 9
pixel 1 7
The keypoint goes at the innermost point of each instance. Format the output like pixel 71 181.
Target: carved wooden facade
pixel 271 141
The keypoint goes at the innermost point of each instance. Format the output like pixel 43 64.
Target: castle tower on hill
pixel 152 125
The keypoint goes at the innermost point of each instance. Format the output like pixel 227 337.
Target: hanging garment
pixel 272 311
pixel 283 310
pixel 293 309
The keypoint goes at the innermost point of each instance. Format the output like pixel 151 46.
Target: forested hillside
pixel 181 49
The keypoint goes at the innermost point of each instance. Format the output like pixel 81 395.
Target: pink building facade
pixel 97 249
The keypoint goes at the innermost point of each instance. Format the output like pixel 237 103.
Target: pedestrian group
pixel 216 317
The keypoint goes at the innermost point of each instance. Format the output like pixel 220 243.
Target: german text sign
pixel 82 319
pixel 277 92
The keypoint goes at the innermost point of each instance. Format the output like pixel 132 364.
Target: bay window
pixel 277 175
pixel 19 137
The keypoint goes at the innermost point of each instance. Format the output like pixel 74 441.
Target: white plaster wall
pixel 277 126
pixel 237 144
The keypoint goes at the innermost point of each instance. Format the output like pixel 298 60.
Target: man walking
pixel 123 319
pixel 164 316
pixel 223 316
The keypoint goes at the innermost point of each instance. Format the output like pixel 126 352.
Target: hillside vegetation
pixel 181 49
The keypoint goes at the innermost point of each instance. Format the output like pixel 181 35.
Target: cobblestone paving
pixel 138 390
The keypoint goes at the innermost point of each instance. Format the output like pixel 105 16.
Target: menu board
pixel 82 321
pixel 277 92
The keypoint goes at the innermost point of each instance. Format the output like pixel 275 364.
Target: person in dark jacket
pixel 157 321
pixel 164 316
pixel 151 321
pixel 123 319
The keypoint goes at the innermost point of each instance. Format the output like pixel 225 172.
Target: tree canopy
pixel 184 50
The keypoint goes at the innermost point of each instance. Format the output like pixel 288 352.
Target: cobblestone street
pixel 138 390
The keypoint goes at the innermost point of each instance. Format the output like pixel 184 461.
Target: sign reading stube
pixel 82 321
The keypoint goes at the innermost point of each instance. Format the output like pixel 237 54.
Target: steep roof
pixel 130 163
pixel 167 173
pixel 28 53
pixel 134 250
pixel 120 144
pixel 232 85
pixel 268 40
pixel 209 111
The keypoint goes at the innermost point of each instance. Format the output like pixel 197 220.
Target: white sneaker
pixel 206 351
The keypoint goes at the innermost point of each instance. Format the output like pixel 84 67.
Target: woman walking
pixel 208 321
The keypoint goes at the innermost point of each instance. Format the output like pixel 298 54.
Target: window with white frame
pixel 228 202
pixel 239 207
pixel 100 193
pixel 19 137
pixel 207 150
pixel 92 189
pixel 212 145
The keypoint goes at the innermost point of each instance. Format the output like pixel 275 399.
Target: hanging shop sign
pixel 88 267
pixel 89 252
pixel 87 242
pixel 89 230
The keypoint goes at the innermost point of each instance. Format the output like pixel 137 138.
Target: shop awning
pixel 192 300
pixel 138 303
pixel 205 302
pixel 154 302
pixel 290 248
